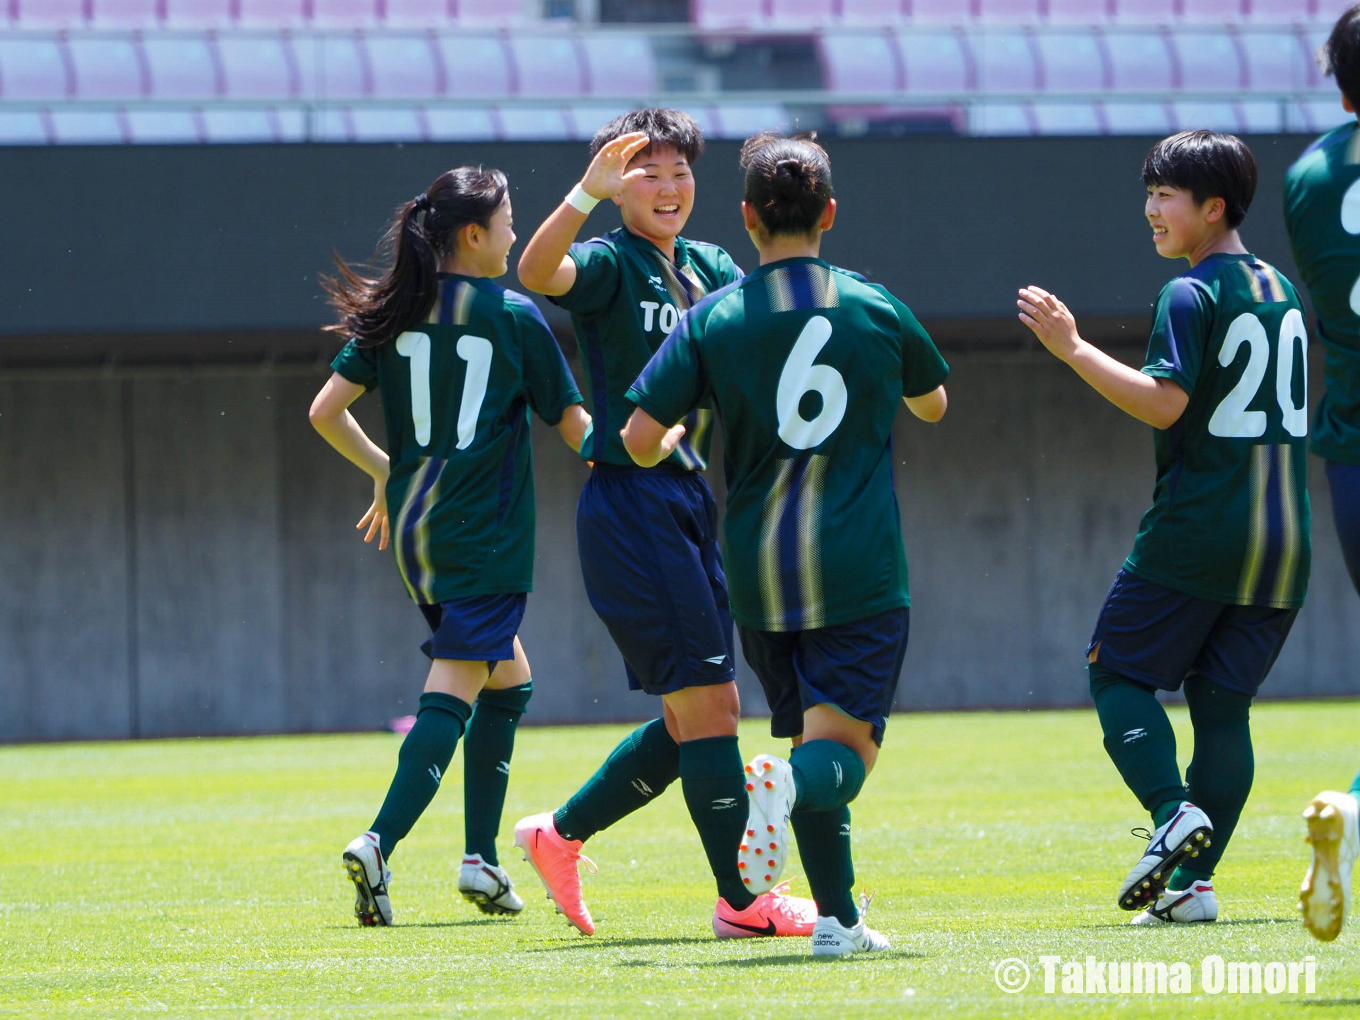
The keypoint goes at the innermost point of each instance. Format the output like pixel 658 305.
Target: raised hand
pixel 1050 321
pixel 608 172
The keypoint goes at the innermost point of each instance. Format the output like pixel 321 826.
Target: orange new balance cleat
pixel 773 913
pixel 554 858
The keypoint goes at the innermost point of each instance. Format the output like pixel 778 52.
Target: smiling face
pixel 656 205
pixel 1180 225
pixel 485 250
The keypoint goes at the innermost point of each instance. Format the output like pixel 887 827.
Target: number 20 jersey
pixel 1322 215
pixel 1230 516
pixel 807 366
pixel 456 393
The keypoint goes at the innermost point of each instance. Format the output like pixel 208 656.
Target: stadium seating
pixel 461 124
pixel 475 66
pixel 48 13
pixel 33 69
pixel 1140 62
pixel 106 68
pixel 1078 12
pixel 24 127
pixel 119 14
pixel 407 66
pixel 1006 62
pixel 416 13
pixel 1072 61
pixel 88 127
pixel 547 65
pixel 726 14
pixel 198 14
pixel 935 63
pixel 259 67
pixel 344 13
pixel 1208 61
pixel 874 13
pixel 181 68
pixel 163 127
pixel 619 65
pixel 1275 61
pixel 271 13
pixel 863 62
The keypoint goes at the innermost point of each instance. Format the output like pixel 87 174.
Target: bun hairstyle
pixel 421 237
pixel 788 181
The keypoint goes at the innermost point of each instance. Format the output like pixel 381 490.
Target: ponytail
pixel 788 182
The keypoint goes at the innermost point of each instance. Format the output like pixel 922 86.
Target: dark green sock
pixel 1220 774
pixel 824 848
pixel 487 747
pixel 424 756
pixel 1355 786
pixel 826 774
pixel 1138 738
pixel 714 782
pixel 644 764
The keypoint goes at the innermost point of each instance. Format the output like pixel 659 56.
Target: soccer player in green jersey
pixel 647 538
pixel 1219 569
pixel 807 366
pixel 459 362
pixel 1322 215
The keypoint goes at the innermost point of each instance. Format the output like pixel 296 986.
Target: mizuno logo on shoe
pixel 1134 734
pixel 769 928
pixel 642 788
pixel 503 768
pixel 723 803
pixel 845 829
pixel 438 775
pixel 717 660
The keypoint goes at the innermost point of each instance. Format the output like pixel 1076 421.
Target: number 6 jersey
pixel 456 393
pixel 807 366
pixel 1230 518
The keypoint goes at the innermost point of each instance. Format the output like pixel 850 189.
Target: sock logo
pixel 845 829
pixel 436 774
pixel 840 777
pixel 503 768
pixel 642 788
pixel 1135 734
pixel 723 803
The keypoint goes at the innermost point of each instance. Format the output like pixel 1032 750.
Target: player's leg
pixel 1344 482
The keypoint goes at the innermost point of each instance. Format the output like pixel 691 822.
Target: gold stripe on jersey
pixel 1257 525
pixel 420 585
pixel 693 437
pixel 809 544
pixel 1289 529
pixel 1272 291
pixel 1253 282
pixel 462 303
pixel 771 591
pixel 679 293
pixel 1277 293
pixel 822 281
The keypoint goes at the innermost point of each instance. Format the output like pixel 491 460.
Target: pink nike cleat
pixel 773 913
pixel 554 858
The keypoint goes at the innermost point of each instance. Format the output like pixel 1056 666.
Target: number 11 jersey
pixel 807 366
pixel 456 393
pixel 1230 516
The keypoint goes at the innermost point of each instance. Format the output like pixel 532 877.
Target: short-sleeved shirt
pixel 456 393
pixel 807 366
pixel 627 297
pixel 1230 518
pixel 1322 215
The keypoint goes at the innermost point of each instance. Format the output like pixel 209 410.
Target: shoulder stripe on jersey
pixel 1264 282
pixel 462 303
pixel 799 287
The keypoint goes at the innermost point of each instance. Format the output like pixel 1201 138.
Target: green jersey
pixel 456 394
pixel 1322 215
pixel 807 366
pixel 627 297
pixel 1229 520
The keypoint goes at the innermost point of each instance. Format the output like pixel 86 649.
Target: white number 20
pixel 1231 419
pixel 801 376
pixel 476 351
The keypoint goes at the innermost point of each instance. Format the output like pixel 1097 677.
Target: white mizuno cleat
pixel 1180 839
pixel 831 938
pixel 1183 906
pixel 488 886
pixel 365 867
pixel 765 846
pixel 1325 897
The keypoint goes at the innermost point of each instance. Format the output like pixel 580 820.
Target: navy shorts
pixel 479 627
pixel 1159 636
pixel 648 541
pixel 851 666
pixel 1344 481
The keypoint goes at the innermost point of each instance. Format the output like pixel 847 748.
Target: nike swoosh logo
pixel 767 930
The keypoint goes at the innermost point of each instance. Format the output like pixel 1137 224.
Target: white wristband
pixel 580 200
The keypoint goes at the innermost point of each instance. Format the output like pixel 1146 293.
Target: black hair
pixel 1208 165
pixel 374 311
pixel 673 129
pixel 1341 54
pixel 788 181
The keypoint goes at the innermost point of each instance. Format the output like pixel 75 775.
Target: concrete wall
pixel 179 556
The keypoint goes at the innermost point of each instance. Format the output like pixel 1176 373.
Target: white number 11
pixel 476 351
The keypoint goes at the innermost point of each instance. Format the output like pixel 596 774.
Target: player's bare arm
pixel 647 441
pixel 929 407
pixel 572 427
pixel 1158 402
pixel 330 417
pixel 546 267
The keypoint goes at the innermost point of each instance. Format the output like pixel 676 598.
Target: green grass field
pixel 202 878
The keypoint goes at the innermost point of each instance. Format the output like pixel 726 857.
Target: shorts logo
pixel 436 774
pixel 503 768
pixel 840 776
pixel 717 660
pixel 642 788
pixel 1134 734
pixel 723 803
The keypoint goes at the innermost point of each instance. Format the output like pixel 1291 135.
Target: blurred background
pixel 177 548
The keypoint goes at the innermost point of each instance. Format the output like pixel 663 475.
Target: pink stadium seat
pixel 371 124
pixel 532 123
pixel 1190 115
pixel 48 13
pixel 181 68
pixel 1078 12
pixel 1139 62
pixel 873 12
pixel 475 65
pixel 1002 118
pixel 1316 115
pixel 941 12
pixel 802 13
pixel 24 127
pixel 860 62
pixel 344 13
pixel 489 12
pixel 1279 12
pixel 1023 12
pixel 228 125
pixel 460 124
pixel 107 68
pixel 742 120
pixel 1275 61
pixel 1213 12
pixel 271 13
pixel 935 63
pixel 546 65
pixel 586 119
pixel 1068 118
pixel 405 66
pixel 1209 61
pixel 341 69
pixel 1314 38
pixel 125 13
pixel 1327 11
pixel 719 14
pixel 198 13
pixel 1005 61
pixel 1145 12
pixel 259 67
pixel 163 127
pixel 418 13
pixel 619 65
pixel 1072 60
pixel 88 127
pixel 33 69
pixel 1262 116
pixel 1149 117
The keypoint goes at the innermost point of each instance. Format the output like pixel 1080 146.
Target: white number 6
pixel 801 376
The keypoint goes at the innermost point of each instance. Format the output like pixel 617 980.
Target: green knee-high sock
pixel 714 782
pixel 825 774
pixel 487 747
pixel 640 768
pixel 424 756
pixel 824 848
pixel 1220 773
pixel 1139 740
